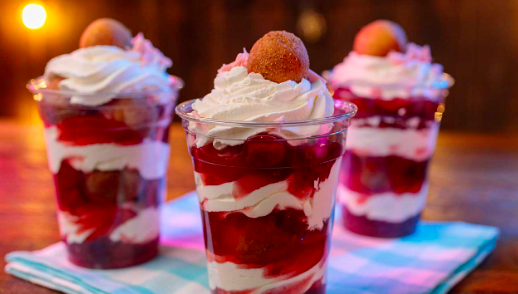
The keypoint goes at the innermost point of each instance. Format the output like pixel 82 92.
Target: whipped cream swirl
pixel 398 75
pixel 242 96
pixel 109 70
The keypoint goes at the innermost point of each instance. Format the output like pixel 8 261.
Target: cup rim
pixel 184 110
pixel 39 86
pixel 446 82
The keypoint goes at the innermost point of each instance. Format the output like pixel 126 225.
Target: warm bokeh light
pixel 34 16
pixel 311 25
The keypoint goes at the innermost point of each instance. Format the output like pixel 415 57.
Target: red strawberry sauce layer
pixel 105 254
pixel 97 199
pixel 87 130
pixel 400 110
pixel 371 175
pixel 103 200
pixel 364 226
pixel 266 159
pixel 281 242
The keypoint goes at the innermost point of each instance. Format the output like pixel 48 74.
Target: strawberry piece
pixel 280 241
pixel 102 187
pixel 69 186
pixel 264 150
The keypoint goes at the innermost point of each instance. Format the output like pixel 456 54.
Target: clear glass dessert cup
pixel 267 199
pixel 109 164
pixel 383 184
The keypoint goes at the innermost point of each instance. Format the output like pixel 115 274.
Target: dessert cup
pixel 267 201
pixel 109 164
pixel 383 183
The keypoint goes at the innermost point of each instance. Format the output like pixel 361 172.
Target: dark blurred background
pixel 475 40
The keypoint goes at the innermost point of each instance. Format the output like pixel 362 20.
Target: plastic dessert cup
pixel 109 164
pixel 267 202
pixel 383 183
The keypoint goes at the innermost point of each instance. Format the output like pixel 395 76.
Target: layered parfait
pixel 398 91
pixel 267 150
pixel 106 109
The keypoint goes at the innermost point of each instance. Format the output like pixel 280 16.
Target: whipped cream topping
pixel 388 207
pixel 149 157
pixel 242 96
pixel 110 70
pixel 398 75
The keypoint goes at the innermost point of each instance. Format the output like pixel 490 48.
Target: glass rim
pixel 349 109
pixel 38 86
pixel 446 82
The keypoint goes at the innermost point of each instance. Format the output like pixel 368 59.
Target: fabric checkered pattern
pixel 432 260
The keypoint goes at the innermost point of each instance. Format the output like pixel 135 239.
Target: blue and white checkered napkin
pixel 432 260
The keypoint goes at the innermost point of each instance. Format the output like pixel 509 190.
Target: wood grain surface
pixel 474 178
pixel 475 40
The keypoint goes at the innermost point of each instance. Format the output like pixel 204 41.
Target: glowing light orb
pixel 34 16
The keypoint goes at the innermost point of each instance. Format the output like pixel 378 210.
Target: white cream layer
pixel 408 143
pixel 375 121
pixel 388 207
pixel 398 75
pixel 150 158
pixel 264 200
pixel 230 277
pixel 69 229
pixel 248 97
pixel 141 229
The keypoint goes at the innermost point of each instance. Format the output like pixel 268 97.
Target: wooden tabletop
pixel 474 178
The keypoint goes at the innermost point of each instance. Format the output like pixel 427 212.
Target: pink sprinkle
pixel 148 53
pixel 413 52
pixel 176 81
pixel 313 77
pixel 281 119
pixel 241 60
